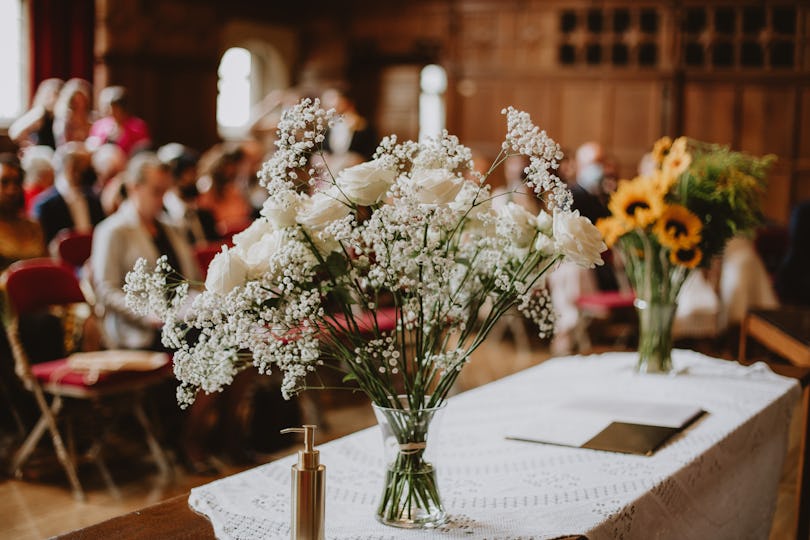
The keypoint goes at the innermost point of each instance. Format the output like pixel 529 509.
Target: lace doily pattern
pixel 718 479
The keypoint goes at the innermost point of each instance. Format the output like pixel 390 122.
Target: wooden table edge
pixel 172 518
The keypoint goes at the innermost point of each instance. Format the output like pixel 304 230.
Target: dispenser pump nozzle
pixel 308 457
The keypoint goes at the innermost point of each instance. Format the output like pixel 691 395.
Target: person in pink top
pixel 118 126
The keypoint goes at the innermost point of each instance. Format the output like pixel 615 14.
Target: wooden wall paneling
pixel 533 40
pixel 767 127
pixel 803 163
pixel 801 191
pixel 480 122
pixel 776 204
pixel 708 111
pixel 767 119
pixel 634 122
pixel 582 109
pixel 398 108
pixel 536 96
pixel 478 40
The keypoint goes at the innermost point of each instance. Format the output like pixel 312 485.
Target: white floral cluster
pixel 414 225
pixel 302 129
pixel 382 354
pixel 536 306
pixel 523 137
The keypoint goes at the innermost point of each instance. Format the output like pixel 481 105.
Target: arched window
pixel 234 98
pixel 12 60
pixel 433 83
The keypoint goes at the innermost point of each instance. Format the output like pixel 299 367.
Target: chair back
pixel 74 247
pixel 205 254
pixel 35 284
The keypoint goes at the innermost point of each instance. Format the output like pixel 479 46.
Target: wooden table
pixel 170 519
pixel 786 332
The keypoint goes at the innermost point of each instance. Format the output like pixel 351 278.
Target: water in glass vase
pixel 655 335
pixel 410 497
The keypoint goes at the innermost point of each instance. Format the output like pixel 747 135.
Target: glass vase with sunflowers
pixel 675 219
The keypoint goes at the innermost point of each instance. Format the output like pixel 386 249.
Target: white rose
pixel 252 234
pixel 365 184
pixel 435 186
pixel 280 211
pixel 259 255
pixel 545 223
pixel 544 244
pixel 519 223
pixel 226 271
pixel 481 216
pixel 577 239
pixel 322 209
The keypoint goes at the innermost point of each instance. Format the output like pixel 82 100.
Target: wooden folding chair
pixel 786 332
pixel 33 286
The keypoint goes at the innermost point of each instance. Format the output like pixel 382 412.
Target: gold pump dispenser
pixel 308 489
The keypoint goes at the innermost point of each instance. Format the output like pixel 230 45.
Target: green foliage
pixel 725 188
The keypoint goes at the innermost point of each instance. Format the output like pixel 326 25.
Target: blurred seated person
pixel 110 163
pixel 72 114
pixel 350 140
pixel 253 155
pixel 593 171
pixel 792 280
pixel 180 201
pixel 220 193
pixel 37 162
pixel 586 190
pixel 20 237
pixel 35 127
pixel 137 229
pixel 119 126
pixel 70 203
pixel 744 282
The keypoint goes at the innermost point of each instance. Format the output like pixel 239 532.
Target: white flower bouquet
pixel 416 228
pixel 300 288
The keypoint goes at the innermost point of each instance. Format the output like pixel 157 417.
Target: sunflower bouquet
pixel 675 219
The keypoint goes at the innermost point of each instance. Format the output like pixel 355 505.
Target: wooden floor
pixel 35 509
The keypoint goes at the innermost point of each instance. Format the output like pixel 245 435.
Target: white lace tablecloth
pixel 716 480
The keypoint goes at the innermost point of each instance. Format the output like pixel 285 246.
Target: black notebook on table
pixel 614 425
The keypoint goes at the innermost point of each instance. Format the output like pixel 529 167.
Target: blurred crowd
pixel 96 171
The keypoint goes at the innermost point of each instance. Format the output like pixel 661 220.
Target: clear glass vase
pixel 655 335
pixel 410 498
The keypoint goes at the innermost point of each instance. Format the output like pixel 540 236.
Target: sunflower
pixel 688 257
pixel 677 159
pixel 661 149
pixel 662 180
pixel 611 229
pixel 635 203
pixel 678 227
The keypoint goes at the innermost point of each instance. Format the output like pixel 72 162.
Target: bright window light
pixel 11 60
pixel 433 83
pixel 233 101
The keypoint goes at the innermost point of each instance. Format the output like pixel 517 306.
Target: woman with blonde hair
pixel 72 112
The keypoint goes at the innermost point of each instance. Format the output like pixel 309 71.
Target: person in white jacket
pixel 137 229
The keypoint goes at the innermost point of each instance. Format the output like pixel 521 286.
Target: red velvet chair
pixel 74 247
pixel 606 305
pixel 36 285
pixel 205 254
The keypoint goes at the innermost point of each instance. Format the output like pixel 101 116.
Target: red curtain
pixel 61 34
